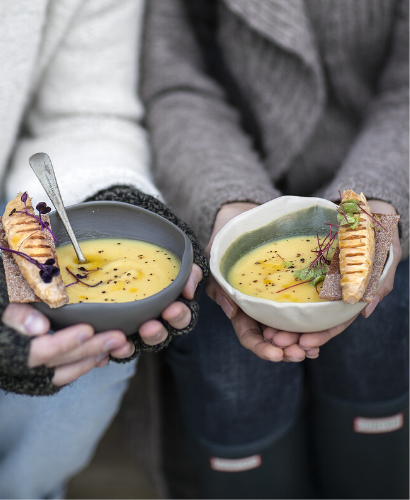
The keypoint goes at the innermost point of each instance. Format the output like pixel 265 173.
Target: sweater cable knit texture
pixel 326 82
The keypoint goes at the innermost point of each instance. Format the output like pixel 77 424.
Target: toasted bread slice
pixel 356 252
pixel 331 289
pixel 23 234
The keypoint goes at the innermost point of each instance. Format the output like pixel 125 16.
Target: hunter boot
pixel 276 467
pixel 361 449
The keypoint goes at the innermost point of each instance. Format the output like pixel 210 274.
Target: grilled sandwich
pixel 24 234
pixel 357 247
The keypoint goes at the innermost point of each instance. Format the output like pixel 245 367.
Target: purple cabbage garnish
pixel 47 270
pixel 42 209
pixel 78 276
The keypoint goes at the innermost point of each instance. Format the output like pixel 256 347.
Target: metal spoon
pixel 43 168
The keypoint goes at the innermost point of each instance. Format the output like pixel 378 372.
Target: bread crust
pixel 23 234
pixel 357 248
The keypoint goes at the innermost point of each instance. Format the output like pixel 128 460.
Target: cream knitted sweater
pixel 69 75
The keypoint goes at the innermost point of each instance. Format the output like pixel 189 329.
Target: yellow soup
pixel 123 270
pixel 263 273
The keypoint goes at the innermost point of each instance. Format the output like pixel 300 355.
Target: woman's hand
pixel 76 350
pixel 310 342
pixel 176 314
pixel 72 351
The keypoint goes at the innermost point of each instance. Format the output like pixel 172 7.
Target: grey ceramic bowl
pixel 110 219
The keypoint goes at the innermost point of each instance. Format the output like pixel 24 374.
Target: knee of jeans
pixel 111 376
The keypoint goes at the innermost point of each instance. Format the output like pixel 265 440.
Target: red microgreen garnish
pixel 373 218
pixel 341 205
pixel 316 271
pixel 47 270
pixel 297 284
pixel 349 210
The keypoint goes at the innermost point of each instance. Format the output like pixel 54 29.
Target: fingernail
pixel 112 344
pixel 160 337
pixel 192 284
pixel 84 336
pixel 100 357
pixel 102 362
pixel 312 357
pixel 371 307
pixel 35 324
pixel 226 307
pixel 304 348
pixel 175 319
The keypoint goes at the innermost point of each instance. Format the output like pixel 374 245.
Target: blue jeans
pixel 229 396
pixel 44 441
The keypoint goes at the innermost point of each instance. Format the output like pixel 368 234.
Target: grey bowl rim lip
pixel 285 305
pixel 186 261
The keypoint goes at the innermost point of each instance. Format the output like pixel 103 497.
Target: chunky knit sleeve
pixel 379 158
pixel 15 375
pixel 203 157
pixel 85 112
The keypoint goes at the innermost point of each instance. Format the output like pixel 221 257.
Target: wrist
pixel 224 215
pixel 378 206
pixel 231 210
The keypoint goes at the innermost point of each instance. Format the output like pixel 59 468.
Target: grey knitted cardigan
pixel 327 85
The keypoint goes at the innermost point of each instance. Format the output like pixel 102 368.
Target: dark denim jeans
pixel 230 396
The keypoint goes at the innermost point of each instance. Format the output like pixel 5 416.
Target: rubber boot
pixel 362 450
pixel 275 467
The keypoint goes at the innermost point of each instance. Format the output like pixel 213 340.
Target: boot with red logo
pixel 362 450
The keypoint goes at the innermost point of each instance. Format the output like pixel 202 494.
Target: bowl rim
pixel 186 261
pixel 215 257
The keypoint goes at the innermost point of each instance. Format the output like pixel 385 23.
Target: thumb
pixel 25 319
pixel 216 293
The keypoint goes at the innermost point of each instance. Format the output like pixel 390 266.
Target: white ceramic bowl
pixel 251 229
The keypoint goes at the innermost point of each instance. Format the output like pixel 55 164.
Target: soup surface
pixel 268 271
pixel 117 270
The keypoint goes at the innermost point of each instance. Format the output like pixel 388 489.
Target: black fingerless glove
pixel 15 375
pixel 135 197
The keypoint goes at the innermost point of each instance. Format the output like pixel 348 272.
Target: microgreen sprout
pixel 47 270
pixel 316 271
pixel 79 277
pixel 42 209
pixel 349 213
pixel 286 262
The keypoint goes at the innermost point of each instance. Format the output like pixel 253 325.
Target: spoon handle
pixel 43 168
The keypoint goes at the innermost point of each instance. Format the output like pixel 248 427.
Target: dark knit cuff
pixel 29 386
pixel 15 374
pixel 135 197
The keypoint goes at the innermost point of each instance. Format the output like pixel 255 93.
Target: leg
pixel 46 440
pixel 241 413
pixel 360 403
